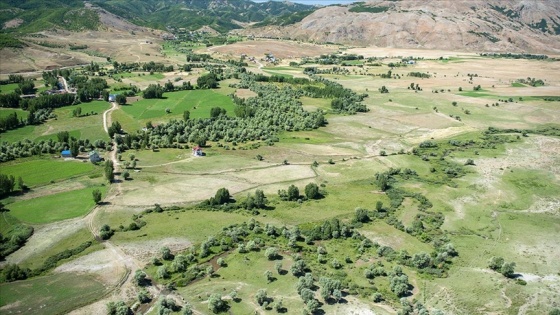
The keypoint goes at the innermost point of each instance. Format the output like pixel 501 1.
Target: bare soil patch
pixel 104 263
pixel 12 23
pixel 245 93
pixel 145 250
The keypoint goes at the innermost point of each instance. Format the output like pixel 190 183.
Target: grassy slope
pixel 56 207
pixel 85 127
pixel 54 294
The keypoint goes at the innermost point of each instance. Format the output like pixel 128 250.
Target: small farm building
pixel 94 157
pixel 66 154
pixel 197 151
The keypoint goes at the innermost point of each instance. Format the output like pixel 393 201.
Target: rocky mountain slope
pixel 495 25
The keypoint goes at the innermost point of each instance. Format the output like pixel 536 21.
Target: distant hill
pixel 474 25
pixel 222 15
pixel 31 16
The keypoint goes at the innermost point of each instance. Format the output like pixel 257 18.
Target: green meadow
pixel 43 171
pixel 197 102
pixel 55 207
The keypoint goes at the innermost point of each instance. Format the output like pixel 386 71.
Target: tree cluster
pixel 500 265
pixel 153 91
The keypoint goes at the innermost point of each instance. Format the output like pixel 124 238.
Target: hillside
pixel 496 25
pixel 222 15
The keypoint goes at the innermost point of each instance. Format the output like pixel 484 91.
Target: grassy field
pixel 172 224
pixel 55 207
pixel 85 127
pixel 8 88
pixel 41 171
pixel 21 114
pixel 198 102
pixel 54 294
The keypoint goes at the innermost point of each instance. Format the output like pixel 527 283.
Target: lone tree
pixel 140 277
pixel 96 196
pixel 215 303
pixel 109 172
pixel 312 191
pixel 271 253
pixel 222 196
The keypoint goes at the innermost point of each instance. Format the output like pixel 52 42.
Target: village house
pixel 197 151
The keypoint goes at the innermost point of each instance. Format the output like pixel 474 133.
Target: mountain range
pixel 494 25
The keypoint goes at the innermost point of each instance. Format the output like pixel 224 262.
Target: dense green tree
pixel 106 232
pixel 261 296
pixel 12 272
pixel 186 115
pixel 207 81
pixel 298 268
pixel 7 184
pixel 495 263
pixel 260 200
pixel 109 171
pixel 77 112
pixel 508 269
pixel 166 253
pixel 217 111
pixel 222 196
pixel 215 303
pixel 74 148
pixel 293 193
pixel 96 193
pixel 162 272
pixel 312 191
pixel 153 91
pixel 120 99
pixel 26 87
pixel 143 296
pixel 399 284
pixel 271 253
pixel 188 309
pixel 383 181
pixel 140 278
pixel 63 136
pixel 118 308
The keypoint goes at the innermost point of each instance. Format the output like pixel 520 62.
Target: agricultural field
pixel 396 201
pixel 197 102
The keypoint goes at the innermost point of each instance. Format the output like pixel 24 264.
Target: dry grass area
pixel 280 49
pixel 141 46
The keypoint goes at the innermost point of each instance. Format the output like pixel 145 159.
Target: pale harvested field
pixel 44 237
pixel 245 93
pixel 180 189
